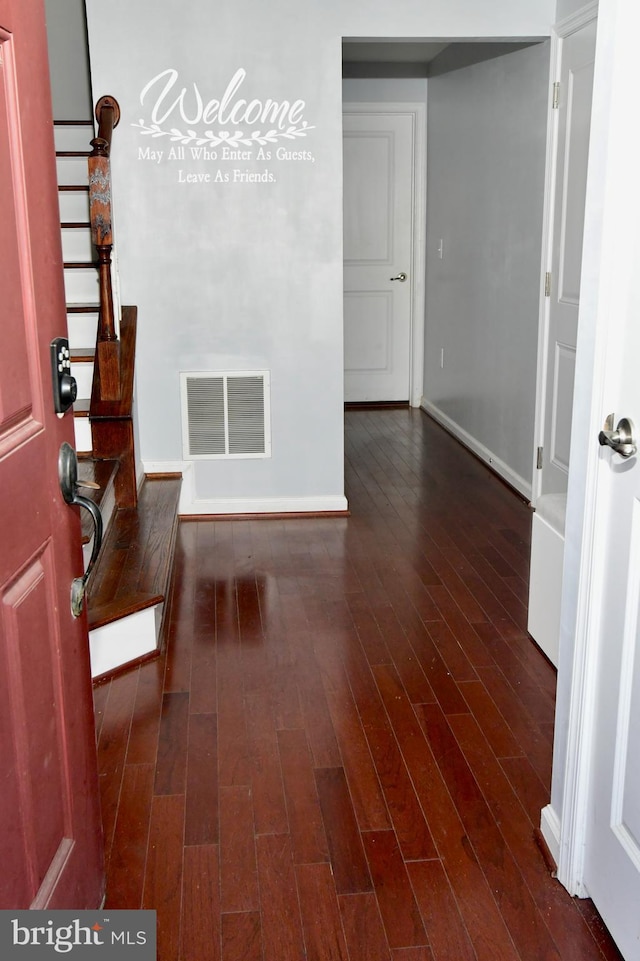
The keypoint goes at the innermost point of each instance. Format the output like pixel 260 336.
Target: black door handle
pixel 68 477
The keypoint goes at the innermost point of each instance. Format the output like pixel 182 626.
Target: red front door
pixel 50 836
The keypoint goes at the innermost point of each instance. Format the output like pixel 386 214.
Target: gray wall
pixel 240 275
pixel 486 160
pixel 385 90
pixel 567 7
pixel 68 59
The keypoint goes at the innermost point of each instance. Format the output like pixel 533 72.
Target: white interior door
pixel 612 861
pixel 574 120
pixel 600 842
pixel 378 238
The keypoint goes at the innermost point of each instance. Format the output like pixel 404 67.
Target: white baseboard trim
pixel 166 466
pixel 192 505
pixel 486 455
pixel 265 505
pixel 550 830
pixel 124 640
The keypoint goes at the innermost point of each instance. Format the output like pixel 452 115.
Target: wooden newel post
pixel 111 412
pixel 107 318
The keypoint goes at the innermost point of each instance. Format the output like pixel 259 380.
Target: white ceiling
pixel 390 51
pixel 419 58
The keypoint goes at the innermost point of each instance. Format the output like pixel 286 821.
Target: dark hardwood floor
pixel 345 748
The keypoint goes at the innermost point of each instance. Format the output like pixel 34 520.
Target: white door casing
pixel 572 60
pixel 384 228
pixel 577 53
pixel 596 787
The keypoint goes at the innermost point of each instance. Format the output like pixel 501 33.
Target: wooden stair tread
pixel 101 472
pixel 121 607
pixel 77 308
pixel 134 567
pixel 78 264
pixel 97 471
pixel 81 407
pixel 67 188
pixel 83 355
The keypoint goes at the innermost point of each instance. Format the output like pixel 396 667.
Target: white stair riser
pixel 72 171
pixel 74 206
pixel 83 329
pixel 82 430
pixel 83 373
pixel 81 285
pixel 124 640
pixel 73 137
pixel 76 244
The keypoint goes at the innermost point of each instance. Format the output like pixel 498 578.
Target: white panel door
pixel 612 862
pixel 378 230
pixel 612 841
pixel 576 84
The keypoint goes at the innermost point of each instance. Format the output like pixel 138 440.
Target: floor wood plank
pixel 201 916
pixel 400 914
pixel 281 920
pixel 350 871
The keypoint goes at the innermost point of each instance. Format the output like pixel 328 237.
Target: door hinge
pixel 539 459
pixel 555 103
pixel 547 284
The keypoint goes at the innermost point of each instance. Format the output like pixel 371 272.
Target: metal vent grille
pixel 225 414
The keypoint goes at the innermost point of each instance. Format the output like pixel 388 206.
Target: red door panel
pixel 50 834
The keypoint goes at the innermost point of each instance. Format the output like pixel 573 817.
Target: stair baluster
pixel 108 345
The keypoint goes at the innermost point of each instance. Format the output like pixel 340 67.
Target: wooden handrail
pixel 108 117
pixel 107 345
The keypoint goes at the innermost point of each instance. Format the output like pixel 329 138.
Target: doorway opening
pixel 476 232
pixel 469 355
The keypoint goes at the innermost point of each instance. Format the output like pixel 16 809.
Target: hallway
pixel 343 753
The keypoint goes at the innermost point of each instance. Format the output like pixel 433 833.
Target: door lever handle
pixel 68 477
pixel 401 277
pixel 621 440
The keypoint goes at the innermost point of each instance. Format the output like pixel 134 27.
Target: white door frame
pixel 564 820
pixel 559 34
pixel 418 113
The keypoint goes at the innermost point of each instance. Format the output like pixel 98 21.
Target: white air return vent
pixel 225 414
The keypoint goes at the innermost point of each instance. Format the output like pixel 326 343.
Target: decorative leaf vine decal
pixel 212 139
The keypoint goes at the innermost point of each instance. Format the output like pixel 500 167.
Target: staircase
pixel 129 586
pixel 80 276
